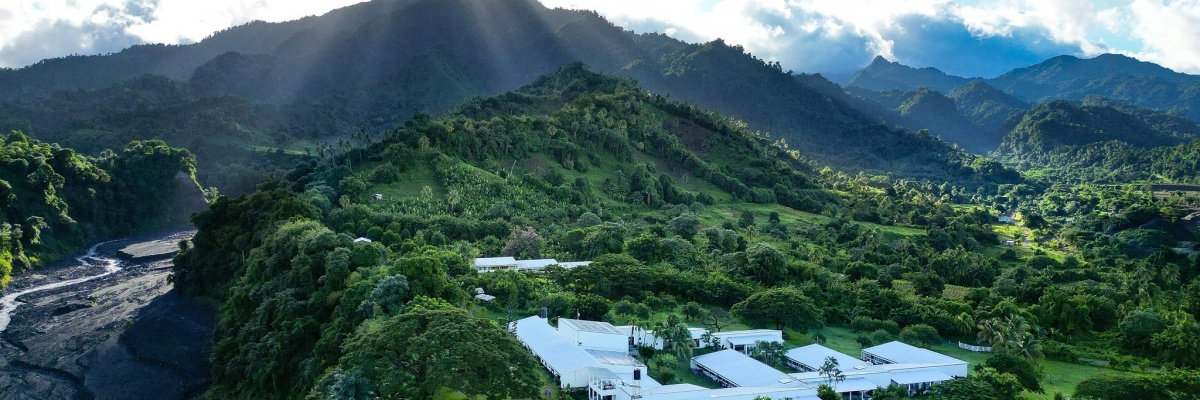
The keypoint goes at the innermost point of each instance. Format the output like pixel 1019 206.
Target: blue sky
pixel 961 37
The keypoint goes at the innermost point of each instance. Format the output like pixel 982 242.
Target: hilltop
pixel 296 88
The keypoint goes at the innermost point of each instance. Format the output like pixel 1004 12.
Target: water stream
pixel 9 302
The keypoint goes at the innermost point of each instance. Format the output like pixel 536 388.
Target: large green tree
pixel 421 352
pixel 784 307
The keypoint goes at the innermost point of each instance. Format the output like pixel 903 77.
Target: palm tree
pixel 675 336
pixel 965 323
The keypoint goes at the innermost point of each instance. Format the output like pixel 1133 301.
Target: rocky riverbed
pixel 124 335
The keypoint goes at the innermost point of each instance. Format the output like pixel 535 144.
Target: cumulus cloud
pixel 39 29
pixel 1169 31
pixel 963 37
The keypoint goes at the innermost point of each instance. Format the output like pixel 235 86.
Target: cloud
pixel 34 30
pixel 1169 31
pixel 964 37
pixel 951 46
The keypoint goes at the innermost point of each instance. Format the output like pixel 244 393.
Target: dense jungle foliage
pixel 55 200
pixel 691 219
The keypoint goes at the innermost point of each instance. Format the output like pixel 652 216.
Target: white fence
pixel 979 349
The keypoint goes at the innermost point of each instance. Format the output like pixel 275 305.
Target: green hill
pixel 299 86
pixel 573 166
pixel 994 111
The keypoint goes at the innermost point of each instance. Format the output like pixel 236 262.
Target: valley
pixel 105 328
pixel 338 177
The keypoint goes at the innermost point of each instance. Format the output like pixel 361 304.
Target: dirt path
pixel 121 336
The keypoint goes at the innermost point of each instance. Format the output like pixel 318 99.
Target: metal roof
pixel 749 332
pixel 546 343
pixel 750 336
pixel 495 262
pixel 614 358
pixel 741 370
pixel 814 356
pixel 536 264
pixel 591 326
pixel 773 393
pixel 901 353
pixel 854 385
pixel 922 376
pixel 677 388
pixel 573 264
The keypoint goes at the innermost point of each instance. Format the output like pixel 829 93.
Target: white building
pixel 489 264
pixel 567 362
pixel 914 368
pixel 745 341
pixel 594 335
pixel 810 358
pixel 731 368
pixel 535 265
pixel 573 264
pixel 901 353
pixel 648 338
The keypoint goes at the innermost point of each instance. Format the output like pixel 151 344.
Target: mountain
pixel 1057 124
pixel 932 110
pixel 974 117
pixel 300 86
pixel 883 75
pixel 1139 83
pixel 989 108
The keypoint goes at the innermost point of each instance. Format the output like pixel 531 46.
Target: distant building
pixel 745 341
pixel 731 368
pixel 642 337
pixel 535 265
pixel 594 356
pixel 1010 243
pixel 594 335
pixel 489 264
pixel 362 240
pixel 494 264
pixel 377 196
pixel 573 264
pixel 913 368
pixel 479 294
pixel 1004 219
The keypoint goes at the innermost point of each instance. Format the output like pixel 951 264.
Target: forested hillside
pixel 299 87
pixel 683 211
pixel 55 200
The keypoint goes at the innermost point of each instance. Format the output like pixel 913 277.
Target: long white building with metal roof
pixel 911 367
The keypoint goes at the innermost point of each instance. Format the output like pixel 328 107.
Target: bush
pixel 1059 351
pixel 920 335
pixel 867 324
pixel 881 336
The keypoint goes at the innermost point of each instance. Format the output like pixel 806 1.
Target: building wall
pixel 603 341
pixel 578 379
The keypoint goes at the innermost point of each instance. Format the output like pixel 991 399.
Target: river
pixel 104 326
pixel 10 302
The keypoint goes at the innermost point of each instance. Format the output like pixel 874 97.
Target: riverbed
pixel 102 327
